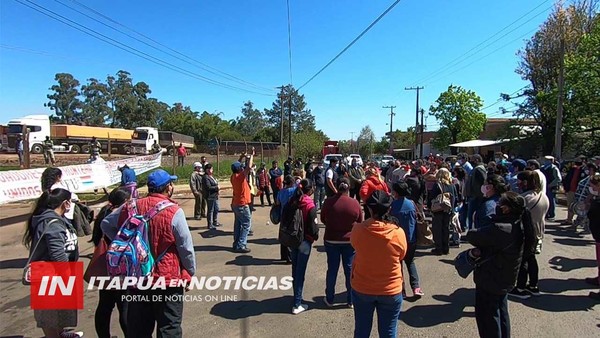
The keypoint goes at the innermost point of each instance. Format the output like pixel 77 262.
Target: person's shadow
pixel 450 312
pixel 566 264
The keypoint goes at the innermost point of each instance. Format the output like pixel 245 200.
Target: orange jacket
pixel 369 186
pixel 380 247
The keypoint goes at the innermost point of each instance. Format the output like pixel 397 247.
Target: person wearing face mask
pixel 493 187
pixel 594 218
pixel 318 177
pixel 473 188
pixel 169 234
pixel 276 177
pixel 518 166
pixel 331 176
pixel 210 189
pixel 581 197
pixel 537 203
pixel 356 177
pixel 554 178
pixel 575 175
pixel 51 238
pixel 500 247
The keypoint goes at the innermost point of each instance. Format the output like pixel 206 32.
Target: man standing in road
pixel 156 147
pixel 196 187
pixel 331 176
pixel 94 149
pixel 287 166
pixel 575 175
pixel 473 191
pixel 241 204
pixel 19 147
pixel 49 151
pixel 357 177
pixel 181 154
pixel 169 235
pixel 554 178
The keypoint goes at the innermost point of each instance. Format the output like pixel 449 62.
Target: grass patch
pixel 184 173
pixel 7 168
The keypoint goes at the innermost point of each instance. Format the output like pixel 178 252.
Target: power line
pixel 460 59
pixel 501 99
pixel 128 49
pixel 353 42
pixel 195 63
pixel 289 40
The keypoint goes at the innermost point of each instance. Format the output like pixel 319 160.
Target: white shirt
pixel 542 179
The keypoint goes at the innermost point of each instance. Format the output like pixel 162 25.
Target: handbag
pixel 441 203
pixel 275 214
pixel 26 277
pixel 97 266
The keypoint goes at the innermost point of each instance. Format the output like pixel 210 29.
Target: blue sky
pixel 249 39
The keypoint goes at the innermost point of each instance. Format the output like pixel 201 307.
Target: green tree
pixel 308 143
pixel 458 111
pixel 302 118
pixel 404 139
pixel 365 140
pixel 540 64
pixel 95 110
pixel 251 122
pixel 64 101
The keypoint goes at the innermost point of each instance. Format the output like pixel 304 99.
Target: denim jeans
pixel 241 225
pixel 334 253
pixel 212 213
pixel 552 198
pixel 388 313
pixel 409 260
pixel 462 216
pixel 319 196
pixel 300 257
pixel 491 314
pixel 472 206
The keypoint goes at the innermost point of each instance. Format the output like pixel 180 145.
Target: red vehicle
pixel 330 147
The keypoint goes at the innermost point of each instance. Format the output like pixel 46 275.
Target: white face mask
pixel 593 192
pixel 484 190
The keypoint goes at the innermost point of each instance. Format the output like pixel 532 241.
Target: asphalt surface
pixel 563 309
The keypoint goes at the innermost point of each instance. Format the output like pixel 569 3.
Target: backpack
pixel 442 202
pixel 291 227
pixel 129 253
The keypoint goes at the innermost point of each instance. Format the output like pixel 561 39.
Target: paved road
pixel 564 310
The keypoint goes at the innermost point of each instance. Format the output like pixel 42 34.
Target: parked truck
pixel 67 138
pixel 330 147
pixel 3 138
pixel 143 138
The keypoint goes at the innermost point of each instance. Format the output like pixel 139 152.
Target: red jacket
pixel 161 238
pixel 181 151
pixel 369 186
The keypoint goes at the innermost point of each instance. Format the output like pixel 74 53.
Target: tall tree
pixel 64 101
pixel 251 122
pixel 308 143
pixel 302 117
pixel 540 64
pixel 459 112
pixel 95 110
pixel 365 141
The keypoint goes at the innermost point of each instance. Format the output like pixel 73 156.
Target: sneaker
pixel 242 250
pixel 299 309
pixel 217 224
pixel 71 334
pixel 350 306
pixel 534 290
pixel 327 302
pixel 418 292
pixel 593 281
pixel 519 293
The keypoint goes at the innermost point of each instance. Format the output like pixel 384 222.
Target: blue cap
pixel 160 178
pixel 519 163
pixel 236 166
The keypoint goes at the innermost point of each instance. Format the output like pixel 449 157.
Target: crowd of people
pixel 374 219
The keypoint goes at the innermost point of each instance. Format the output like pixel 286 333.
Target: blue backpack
pixel 129 253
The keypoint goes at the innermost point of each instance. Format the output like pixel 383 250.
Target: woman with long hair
pixel 339 214
pixel 500 247
pixel 302 200
pixel 51 238
pixel 52 179
pixel 442 218
pixel 107 299
pixel 380 245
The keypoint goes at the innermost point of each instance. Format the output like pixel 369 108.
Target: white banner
pixel 20 185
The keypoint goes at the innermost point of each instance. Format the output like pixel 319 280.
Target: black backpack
pixel 291 227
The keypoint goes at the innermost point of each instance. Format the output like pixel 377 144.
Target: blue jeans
pixel 462 216
pixel 334 253
pixel 472 206
pixel 491 314
pixel 388 313
pixel 319 196
pixel 552 198
pixel 409 260
pixel 300 257
pixel 212 213
pixel 241 225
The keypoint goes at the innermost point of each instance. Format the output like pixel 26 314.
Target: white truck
pixel 143 138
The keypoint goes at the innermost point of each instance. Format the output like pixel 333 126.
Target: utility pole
pixel 391 124
pixel 351 141
pixel 417 112
pixel 290 123
pixel 559 109
pixel 422 132
pixel 281 121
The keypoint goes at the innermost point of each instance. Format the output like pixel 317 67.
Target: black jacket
pixel 318 176
pixel 594 217
pixel 504 241
pixel 210 187
pixel 417 188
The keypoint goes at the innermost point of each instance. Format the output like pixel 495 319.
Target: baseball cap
pixel 197 164
pixel 236 166
pixel 548 157
pixel 160 178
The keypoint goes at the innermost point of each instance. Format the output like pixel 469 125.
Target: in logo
pixel 56 285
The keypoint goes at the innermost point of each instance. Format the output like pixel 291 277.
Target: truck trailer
pixel 67 138
pixel 143 138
